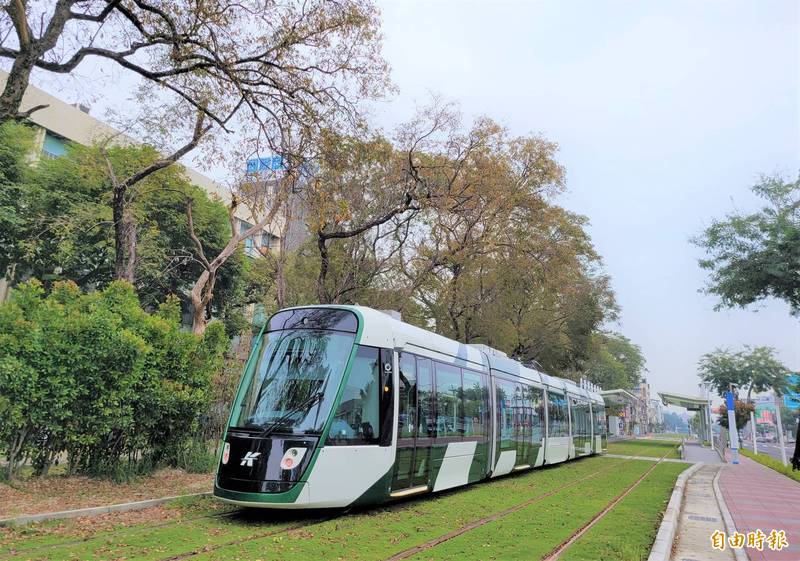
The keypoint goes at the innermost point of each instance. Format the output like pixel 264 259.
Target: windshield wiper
pixel 269 429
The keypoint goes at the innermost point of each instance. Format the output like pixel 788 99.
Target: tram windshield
pixel 295 381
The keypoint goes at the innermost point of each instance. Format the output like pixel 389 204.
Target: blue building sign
pixel 791 402
pixel 269 163
pixel 791 399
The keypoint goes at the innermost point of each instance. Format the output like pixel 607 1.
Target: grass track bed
pixel 373 534
pixel 381 532
pixel 639 514
pixel 534 531
pixel 645 447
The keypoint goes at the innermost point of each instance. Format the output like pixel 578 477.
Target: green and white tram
pixel 345 405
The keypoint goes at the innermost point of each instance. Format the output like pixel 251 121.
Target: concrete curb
pixel 662 547
pixel 730 527
pixel 93 511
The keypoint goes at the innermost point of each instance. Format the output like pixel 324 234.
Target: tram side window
pixel 407 418
pixel 427 417
pixel 449 408
pixel 357 418
pixel 505 412
pixel 577 417
pixel 557 415
pixel 599 419
pixel 587 419
pixel 476 404
pixel 536 412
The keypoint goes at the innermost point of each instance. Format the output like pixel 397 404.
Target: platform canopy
pixel 686 401
pixel 618 397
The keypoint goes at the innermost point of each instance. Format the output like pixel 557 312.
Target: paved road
pixel 773 449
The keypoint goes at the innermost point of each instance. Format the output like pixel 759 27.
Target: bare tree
pixel 125 228
pixel 269 71
pixel 264 204
pixel 367 181
pixel 285 58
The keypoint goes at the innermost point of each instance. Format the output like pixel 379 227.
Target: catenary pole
pixel 732 432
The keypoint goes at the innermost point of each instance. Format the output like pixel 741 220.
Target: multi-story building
pixel 60 123
pixel 656 412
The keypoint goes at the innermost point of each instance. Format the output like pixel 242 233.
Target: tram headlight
pixel 226 453
pixel 292 458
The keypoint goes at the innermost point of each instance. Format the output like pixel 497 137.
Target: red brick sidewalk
pixel 761 498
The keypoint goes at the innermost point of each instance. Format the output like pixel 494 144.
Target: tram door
pixel 416 423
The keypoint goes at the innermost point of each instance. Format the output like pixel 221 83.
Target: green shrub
pixel 96 378
pixel 771 462
pixel 195 457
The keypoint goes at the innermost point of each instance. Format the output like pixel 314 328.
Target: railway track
pixel 555 552
pixel 300 525
pixel 185 555
pixel 124 531
pixel 261 535
pixel 405 554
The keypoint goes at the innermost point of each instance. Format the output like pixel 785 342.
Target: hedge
pixel 95 380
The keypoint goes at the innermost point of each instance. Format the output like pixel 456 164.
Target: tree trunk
pixel 280 282
pixel 17 83
pixel 131 237
pixel 201 296
pixel 451 306
pixel 125 236
pixel 30 49
pixel 322 293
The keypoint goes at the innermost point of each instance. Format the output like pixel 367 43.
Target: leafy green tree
pixel 742 411
pixel 694 423
pixel 16 142
pixel 56 224
pixel 755 256
pixel 756 369
pixel 615 362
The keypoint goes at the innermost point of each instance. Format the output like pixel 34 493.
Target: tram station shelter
pixel 622 409
pixel 699 404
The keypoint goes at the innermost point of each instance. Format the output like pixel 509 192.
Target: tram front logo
pixel 247 459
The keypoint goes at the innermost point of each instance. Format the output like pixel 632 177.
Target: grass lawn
pixel 206 526
pixel 772 463
pixel 670 436
pixel 645 447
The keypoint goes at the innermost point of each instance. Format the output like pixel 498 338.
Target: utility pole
pixel 753 429
pixel 780 427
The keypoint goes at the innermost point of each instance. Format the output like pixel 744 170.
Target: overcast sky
pixel 666 113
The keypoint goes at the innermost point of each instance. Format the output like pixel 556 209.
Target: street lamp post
pixel 733 433
pixel 709 421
